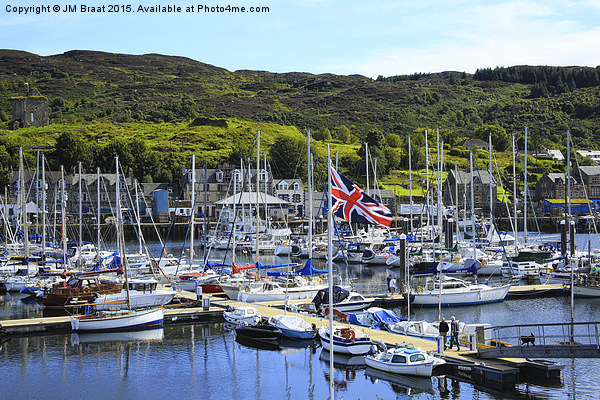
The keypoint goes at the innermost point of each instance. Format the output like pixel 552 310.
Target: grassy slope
pixel 90 92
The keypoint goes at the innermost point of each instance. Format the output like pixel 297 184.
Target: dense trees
pixel 545 79
pixel 134 155
pixel 500 139
pixel 288 157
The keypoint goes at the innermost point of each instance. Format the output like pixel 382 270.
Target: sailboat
pixel 115 319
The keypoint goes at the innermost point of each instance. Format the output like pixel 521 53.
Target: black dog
pixel 527 340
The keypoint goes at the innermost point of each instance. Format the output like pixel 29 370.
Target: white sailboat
pixel 115 318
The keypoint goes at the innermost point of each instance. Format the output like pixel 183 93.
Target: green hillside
pixel 160 108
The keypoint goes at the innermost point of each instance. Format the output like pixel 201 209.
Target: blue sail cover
pixel 472 269
pixel 386 316
pixel 306 270
pixel 267 266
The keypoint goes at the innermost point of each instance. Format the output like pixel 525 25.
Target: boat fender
pixel 419 289
pixel 314 327
pixel 320 281
pixel 350 334
pixel 247 289
pixel 429 285
pixel 239 287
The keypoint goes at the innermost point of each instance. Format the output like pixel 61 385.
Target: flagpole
pixel 329 270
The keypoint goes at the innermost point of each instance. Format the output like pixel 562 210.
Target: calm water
pixel 204 361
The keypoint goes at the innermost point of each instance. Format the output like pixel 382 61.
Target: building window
pixel 283 185
pixel 263 175
pixel 219 176
pixel 296 186
pixel 237 175
pixel 296 198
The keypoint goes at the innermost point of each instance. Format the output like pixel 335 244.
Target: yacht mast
pixel 63 209
pixel 310 198
pixel 427 190
pixel 525 191
pixel 490 167
pixel 43 207
pixel 472 202
pixel 79 257
pixel 121 243
pixel 257 192
pixel 367 164
pixel 23 204
pixel 330 269
pixel 193 206
pixel 515 198
pixel 410 184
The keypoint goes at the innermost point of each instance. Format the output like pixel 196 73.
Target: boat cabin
pixel 143 285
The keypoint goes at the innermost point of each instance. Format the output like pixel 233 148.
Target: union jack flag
pixel 354 205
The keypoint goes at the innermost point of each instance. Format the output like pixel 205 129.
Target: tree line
pixel 545 80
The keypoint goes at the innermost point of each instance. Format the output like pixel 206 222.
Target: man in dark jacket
pixel 444 331
pixel 454 328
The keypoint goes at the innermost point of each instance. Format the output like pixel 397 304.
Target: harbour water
pixel 205 361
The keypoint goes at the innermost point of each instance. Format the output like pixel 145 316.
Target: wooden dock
pixel 539 290
pixel 501 372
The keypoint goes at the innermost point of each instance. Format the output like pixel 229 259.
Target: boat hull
pixel 422 369
pixel 460 298
pixel 132 320
pixel 342 345
pixel 261 333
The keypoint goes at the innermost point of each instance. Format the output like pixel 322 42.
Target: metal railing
pixel 554 334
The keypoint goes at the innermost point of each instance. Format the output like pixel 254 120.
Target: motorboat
pixel 455 292
pixel 242 315
pixel 346 340
pixel 78 289
pixel 402 360
pixel 343 300
pixel 293 326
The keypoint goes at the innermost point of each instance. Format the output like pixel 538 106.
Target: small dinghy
pixel 261 332
pixel 293 326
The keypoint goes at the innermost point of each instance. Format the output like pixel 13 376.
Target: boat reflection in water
pixel 402 384
pixel 347 363
pixel 257 344
pixel 147 335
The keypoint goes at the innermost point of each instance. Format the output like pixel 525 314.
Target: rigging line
pixel 493 219
pixel 584 189
pixel 531 202
pixel 246 185
pixel 125 192
pixel 504 193
pixel 232 232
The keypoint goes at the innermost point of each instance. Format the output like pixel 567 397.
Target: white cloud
pixel 501 34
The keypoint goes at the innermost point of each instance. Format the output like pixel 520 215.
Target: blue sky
pixel 372 37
